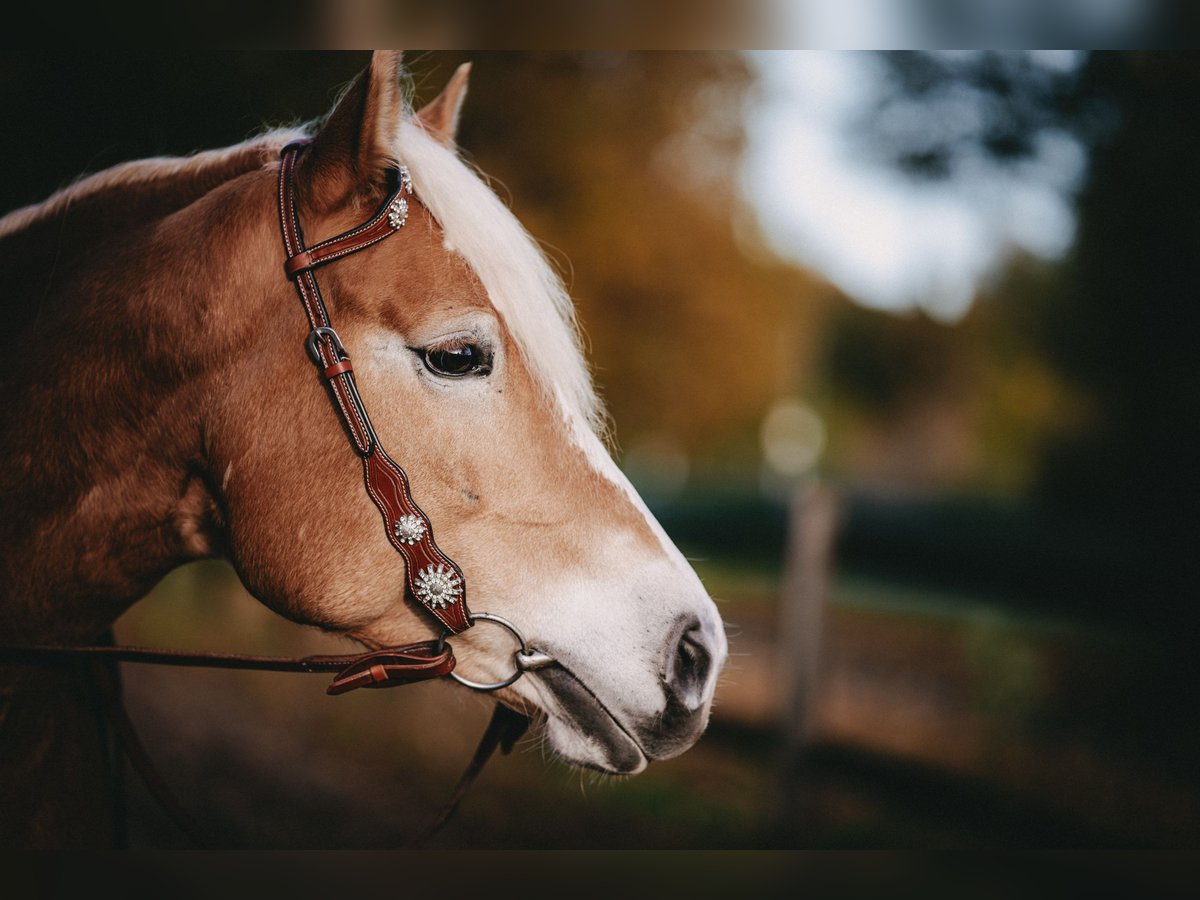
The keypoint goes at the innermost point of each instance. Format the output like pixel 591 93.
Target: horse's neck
pixel 103 475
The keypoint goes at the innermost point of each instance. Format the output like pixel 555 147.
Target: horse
pixel 161 409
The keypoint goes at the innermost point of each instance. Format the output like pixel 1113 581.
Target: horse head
pixel 466 354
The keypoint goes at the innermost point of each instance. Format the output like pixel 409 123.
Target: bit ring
pixel 526 659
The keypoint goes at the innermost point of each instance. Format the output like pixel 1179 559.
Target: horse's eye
pixel 456 360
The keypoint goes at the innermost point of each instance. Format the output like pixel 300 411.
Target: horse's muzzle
pixel 696 654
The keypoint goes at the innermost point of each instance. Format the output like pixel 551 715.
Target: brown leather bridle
pixel 433 580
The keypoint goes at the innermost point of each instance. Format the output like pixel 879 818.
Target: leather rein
pixel 433 580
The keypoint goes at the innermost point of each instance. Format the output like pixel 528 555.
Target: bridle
pixel 433 580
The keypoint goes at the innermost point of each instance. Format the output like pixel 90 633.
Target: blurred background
pixel 900 348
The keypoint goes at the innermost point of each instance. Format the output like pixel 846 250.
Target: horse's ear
pixel 440 116
pixel 351 154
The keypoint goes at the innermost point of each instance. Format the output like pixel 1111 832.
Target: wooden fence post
pixel 813 518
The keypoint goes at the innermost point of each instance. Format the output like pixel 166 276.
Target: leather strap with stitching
pixel 378 668
pixel 386 483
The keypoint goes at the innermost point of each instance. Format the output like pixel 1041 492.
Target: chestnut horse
pixel 160 408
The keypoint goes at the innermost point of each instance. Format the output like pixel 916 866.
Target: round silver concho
pixel 438 586
pixel 409 529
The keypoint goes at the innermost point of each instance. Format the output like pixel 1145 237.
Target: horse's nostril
pixel 689 667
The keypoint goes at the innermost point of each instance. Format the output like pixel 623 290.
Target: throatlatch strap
pixel 434 580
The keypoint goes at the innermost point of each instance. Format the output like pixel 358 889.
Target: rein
pixel 389 667
pixel 381 668
pixel 433 580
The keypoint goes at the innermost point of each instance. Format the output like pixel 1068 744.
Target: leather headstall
pixel 433 579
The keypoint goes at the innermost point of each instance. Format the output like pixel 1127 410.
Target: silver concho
pixel 438 587
pixel 398 212
pixel 409 529
pixel 398 208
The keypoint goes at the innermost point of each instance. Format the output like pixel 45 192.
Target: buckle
pixel 330 335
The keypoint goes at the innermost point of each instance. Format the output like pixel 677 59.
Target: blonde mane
pixel 522 285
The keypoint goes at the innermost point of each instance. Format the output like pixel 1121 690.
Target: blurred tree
pixel 918 402
pixel 941 111
pixel 1116 324
pixel 1125 324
